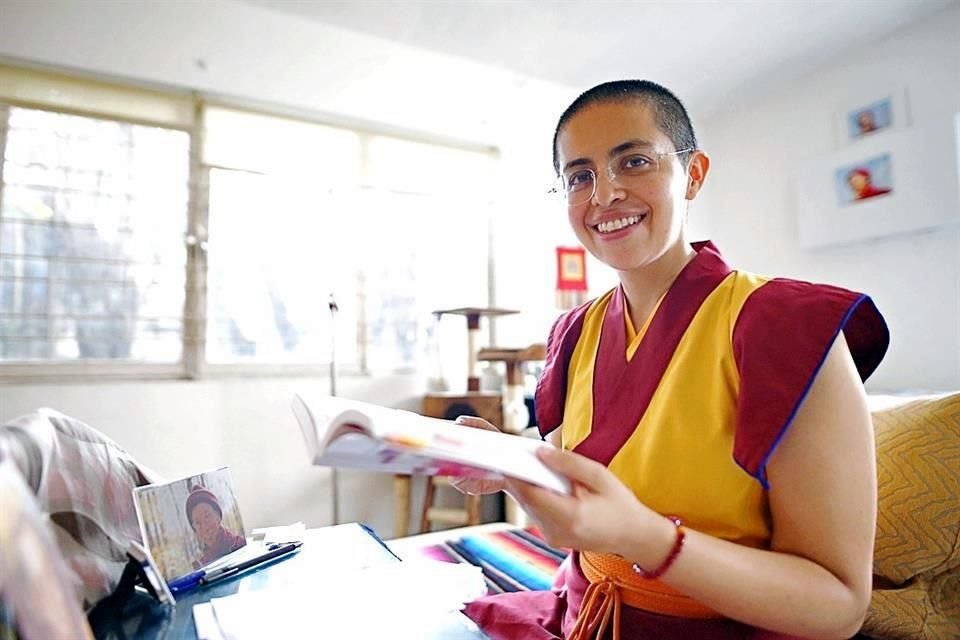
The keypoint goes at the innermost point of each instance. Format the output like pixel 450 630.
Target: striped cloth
pixel 511 560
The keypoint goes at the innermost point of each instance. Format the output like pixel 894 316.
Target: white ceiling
pixel 705 51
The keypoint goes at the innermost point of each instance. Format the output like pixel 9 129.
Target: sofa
pixel 917 552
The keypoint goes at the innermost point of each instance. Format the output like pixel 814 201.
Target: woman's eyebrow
pixel 579 162
pixel 628 145
pixel 617 150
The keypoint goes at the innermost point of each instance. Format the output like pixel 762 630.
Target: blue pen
pixel 187 582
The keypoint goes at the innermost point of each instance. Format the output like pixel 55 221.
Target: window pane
pixel 289 225
pixel 402 165
pixel 92 260
pixel 419 255
pixel 280 146
pixel 276 254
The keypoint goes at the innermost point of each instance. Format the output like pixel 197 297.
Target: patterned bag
pixel 82 503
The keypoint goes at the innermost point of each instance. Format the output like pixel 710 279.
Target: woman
pixel 206 518
pixel 713 421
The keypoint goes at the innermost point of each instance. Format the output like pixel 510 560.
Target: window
pixel 300 212
pixel 92 259
pixel 153 235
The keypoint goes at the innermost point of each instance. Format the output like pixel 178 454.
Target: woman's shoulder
pixel 796 311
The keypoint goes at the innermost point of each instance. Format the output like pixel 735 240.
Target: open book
pixel 347 433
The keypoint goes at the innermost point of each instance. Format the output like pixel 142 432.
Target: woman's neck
pixel 643 287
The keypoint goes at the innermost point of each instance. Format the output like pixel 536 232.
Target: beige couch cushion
pixel 917 555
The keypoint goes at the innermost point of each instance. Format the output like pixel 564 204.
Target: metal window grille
pixel 93 214
pixel 104 264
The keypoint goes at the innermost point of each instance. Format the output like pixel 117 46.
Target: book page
pixel 359 451
pixel 506 454
pixel 404 442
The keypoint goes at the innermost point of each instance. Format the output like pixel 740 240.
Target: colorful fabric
pixel 511 560
pixel 687 412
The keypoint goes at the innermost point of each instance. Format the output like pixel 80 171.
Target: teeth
pixel 614 225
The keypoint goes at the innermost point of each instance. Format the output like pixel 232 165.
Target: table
pixel 144 618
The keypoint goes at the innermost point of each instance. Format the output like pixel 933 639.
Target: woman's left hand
pixel 601 514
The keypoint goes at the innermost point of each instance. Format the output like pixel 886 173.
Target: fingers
pixel 476 487
pixel 581 469
pixel 475 422
pixel 462 485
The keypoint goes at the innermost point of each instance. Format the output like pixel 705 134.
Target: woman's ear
pixel 697 170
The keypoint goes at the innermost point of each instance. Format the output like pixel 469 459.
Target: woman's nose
pixel 606 190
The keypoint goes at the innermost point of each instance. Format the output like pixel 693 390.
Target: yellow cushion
pixel 917 554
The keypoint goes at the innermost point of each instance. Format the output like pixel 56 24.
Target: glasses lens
pixel 634 165
pixel 578 186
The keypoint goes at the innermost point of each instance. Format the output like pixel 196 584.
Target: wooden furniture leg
pixel 468 515
pixel 401 507
pixel 428 494
pixel 473 510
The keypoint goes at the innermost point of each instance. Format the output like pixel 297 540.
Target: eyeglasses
pixel 579 184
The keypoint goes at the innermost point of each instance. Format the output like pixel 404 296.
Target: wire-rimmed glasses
pixel 578 183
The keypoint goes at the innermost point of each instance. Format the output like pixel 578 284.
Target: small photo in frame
pixel 188 523
pixel 870 118
pixel 864 115
pixel 870 178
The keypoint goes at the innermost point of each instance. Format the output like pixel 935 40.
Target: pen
pixel 225 572
pixel 187 582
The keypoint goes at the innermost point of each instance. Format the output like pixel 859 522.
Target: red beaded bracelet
pixel 668 561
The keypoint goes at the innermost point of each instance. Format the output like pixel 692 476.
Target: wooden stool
pixel 469 515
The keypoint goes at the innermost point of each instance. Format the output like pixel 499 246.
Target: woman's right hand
pixel 474 486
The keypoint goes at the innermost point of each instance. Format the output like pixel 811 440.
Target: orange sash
pixel 612 583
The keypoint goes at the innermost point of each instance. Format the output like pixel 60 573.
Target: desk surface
pixel 144 618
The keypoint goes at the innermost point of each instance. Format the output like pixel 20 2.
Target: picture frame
pixel 870 177
pixel 922 189
pixel 863 115
pixel 190 522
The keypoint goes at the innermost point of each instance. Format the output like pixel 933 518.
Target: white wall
pixel 748 209
pixel 179 428
pixel 261 57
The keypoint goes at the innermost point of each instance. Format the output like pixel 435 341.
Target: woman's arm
pixel 815 581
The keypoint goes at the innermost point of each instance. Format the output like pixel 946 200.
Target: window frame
pixel 192 364
pixel 96 369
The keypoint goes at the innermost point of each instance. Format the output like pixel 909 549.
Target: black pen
pixel 226 572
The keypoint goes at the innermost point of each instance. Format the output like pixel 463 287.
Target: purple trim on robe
pixel 780 341
pixel 622 389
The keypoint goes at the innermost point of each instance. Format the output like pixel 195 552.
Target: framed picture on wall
pixel 901 182
pixel 866 114
pixel 863 180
